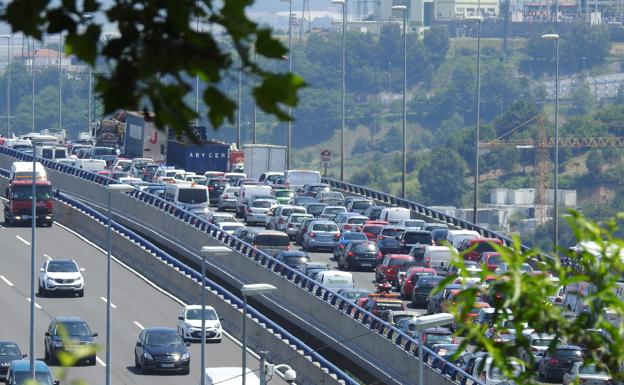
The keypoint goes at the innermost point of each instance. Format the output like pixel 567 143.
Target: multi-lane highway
pixel 137 304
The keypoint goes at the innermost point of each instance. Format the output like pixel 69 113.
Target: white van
pixel 456 237
pixel 230 376
pixel 295 179
pixel 51 152
pixel 91 165
pixel 189 196
pixel 438 258
pixel 394 215
pixel 249 190
pixel 24 170
pixel 18 144
pixel 335 279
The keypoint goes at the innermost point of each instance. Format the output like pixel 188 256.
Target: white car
pixel 61 276
pixel 190 320
pixel 229 227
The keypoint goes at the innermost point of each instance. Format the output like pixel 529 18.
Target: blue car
pixel 345 238
pixel 389 240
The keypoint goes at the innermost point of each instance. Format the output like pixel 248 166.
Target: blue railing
pixel 348 308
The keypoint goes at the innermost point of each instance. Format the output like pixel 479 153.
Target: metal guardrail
pixel 417 208
pixel 358 314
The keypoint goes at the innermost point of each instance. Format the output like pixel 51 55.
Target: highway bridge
pixel 370 348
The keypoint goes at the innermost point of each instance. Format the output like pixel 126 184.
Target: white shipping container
pixel 260 158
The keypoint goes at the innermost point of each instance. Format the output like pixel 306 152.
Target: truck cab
pixel 18 207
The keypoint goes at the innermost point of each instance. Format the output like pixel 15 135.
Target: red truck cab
pixel 18 207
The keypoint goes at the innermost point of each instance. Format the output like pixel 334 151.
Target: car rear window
pixel 261 204
pixel 437 254
pixel 483 247
pixel 329 227
pixel 372 229
pixel 541 342
pixel 297 218
pixel 429 281
pixel 334 210
pixel 414 223
pixel 272 240
pixel 352 236
pixel 412 238
pixel 361 205
pixel 402 262
pixel 313 209
pixel 356 221
pixel 296 260
pixel 433 339
pixel 365 247
pixel 569 354
pixel 392 232
pixel 495 260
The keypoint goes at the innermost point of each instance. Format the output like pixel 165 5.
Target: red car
pixel 389 268
pixel 490 260
pixel 372 231
pixel 481 245
pixel 411 277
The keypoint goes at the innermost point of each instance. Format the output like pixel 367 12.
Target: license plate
pixel 167 365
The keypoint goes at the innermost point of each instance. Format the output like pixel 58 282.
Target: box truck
pixel 260 158
pixel 198 158
pixel 142 139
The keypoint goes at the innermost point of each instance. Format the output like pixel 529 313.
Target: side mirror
pixel 221 318
pixel 82 269
pixel 181 318
pixel 139 344
pixel 41 270
pixel 187 344
pixel 24 355
pixel 95 334
pixel 47 334
pixel 57 382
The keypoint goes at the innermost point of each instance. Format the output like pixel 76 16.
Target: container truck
pixel 198 158
pixel 261 158
pixel 142 139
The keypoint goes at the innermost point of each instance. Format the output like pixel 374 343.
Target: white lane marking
pixel 139 325
pixel 146 280
pixel 2 277
pixel 99 361
pixel 47 257
pixel 23 240
pixel 112 304
pixel 36 304
pixel 1 227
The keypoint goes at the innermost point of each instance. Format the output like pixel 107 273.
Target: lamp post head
pixel 214 250
pixel 550 36
pixel 5 36
pixel 401 8
pixel 430 321
pixel 257 289
pixel 338 2
pixel 285 1
pixel 120 187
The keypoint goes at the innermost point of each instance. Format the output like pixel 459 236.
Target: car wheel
pixel 186 371
pixel 540 376
pixel 39 290
pixel 81 293
pixel 46 356
pixel 92 361
pixel 217 341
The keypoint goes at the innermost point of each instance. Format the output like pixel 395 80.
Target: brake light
pixel 350 253
pixel 553 361
pixel 428 262
pixel 313 235
pixel 534 349
pixel 341 246
pixel 48 205
pixel 379 255
pixel 281 220
pixel 347 227
pixel 381 237
pixel 225 196
pixel 336 236
pixel 290 226
pixel 211 188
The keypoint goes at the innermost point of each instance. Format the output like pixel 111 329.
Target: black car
pixel 292 259
pixel 9 351
pixel 72 335
pixel 161 349
pixel 215 188
pixel 360 254
pixel 373 212
pixel 423 288
pixel 302 230
pixel 313 188
pixel 412 238
pixel 555 364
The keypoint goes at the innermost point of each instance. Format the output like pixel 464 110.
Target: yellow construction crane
pixel 542 164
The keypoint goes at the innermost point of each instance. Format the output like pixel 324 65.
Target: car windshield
pixel 315 209
pixel 356 221
pixel 433 339
pixel 196 314
pixel 62 267
pixel 9 349
pixel 353 236
pixel 361 205
pixel 526 268
pixel 327 227
pixel 541 342
pixel 25 192
pixel 392 232
pixel 334 210
pixel 74 329
pixel 411 238
pixel 163 339
pixel 284 194
pixel 372 229
pixel 440 254
pixel 192 195
pixel 447 350
pixel 23 378
pixel 365 247
pixel 104 151
pixel 261 204
pixel 495 259
pixel 401 262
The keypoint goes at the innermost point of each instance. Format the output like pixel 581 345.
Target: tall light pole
pixel 423 323
pixel 118 188
pixel 8 88
pixel 342 95
pixel 251 290
pixel 32 79
pixel 239 101
pixel 555 37
pixel 206 251
pixel 475 202
pixel 60 60
pixel 33 239
pixel 290 54
pixel 86 18
pixel 403 9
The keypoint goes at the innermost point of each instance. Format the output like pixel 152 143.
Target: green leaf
pixel 278 89
pixel 268 46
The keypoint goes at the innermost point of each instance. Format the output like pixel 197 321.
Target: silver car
pixel 293 223
pixel 257 211
pixel 587 374
pixel 321 234
pixel 227 200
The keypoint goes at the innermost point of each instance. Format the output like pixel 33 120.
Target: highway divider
pixel 366 340
pixel 184 282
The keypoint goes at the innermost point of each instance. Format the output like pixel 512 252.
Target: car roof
pixel 399 256
pixel 24 365
pixel 159 329
pixel 437 330
pixel 68 319
pixel 197 307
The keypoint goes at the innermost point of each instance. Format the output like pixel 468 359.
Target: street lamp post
pixel 342 95
pixel 403 8
pixel 555 37
pixel 33 239
pixel 32 80
pixel 86 18
pixel 206 251
pixel 251 290
pixel 8 88
pixel 120 188
pixel 426 322
pixel 289 128
pixel 475 203
pixel 60 59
